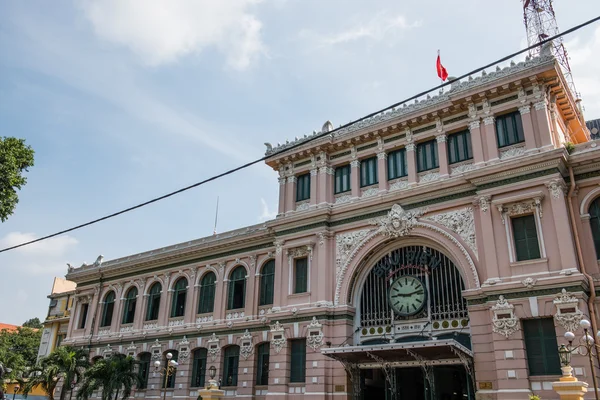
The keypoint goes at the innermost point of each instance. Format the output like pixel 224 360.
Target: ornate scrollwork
pixel 278 339
pixel 246 345
pixel 213 347
pixel 314 337
pixel 568 314
pixel 459 221
pixel 504 321
pixel 398 221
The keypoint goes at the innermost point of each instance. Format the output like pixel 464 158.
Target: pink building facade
pixel 436 251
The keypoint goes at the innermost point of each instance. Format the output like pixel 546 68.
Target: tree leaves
pixel 15 158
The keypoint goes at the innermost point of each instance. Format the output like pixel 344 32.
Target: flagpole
pixel 441 80
pixel 216 216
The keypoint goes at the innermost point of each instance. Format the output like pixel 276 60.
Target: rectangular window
pixel 368 172
pixel 230 368
pixel 342 179
pixel 84 313
pixel 509 129
pixel 143 370
pixel 526 240
pixel 459 147
pixel 262 365
pixel 300 275
pixel 298 361
pixel 427 156
pixel 540 346
pixel 303 187
pixel 397 166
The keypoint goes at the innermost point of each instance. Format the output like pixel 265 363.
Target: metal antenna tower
pixel 540 24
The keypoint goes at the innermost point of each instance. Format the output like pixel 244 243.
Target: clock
pixel 407 295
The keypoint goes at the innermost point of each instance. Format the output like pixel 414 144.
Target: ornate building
pixel 439 250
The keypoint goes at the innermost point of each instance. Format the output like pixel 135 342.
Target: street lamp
pixel 212 372
pixel 167 371
pixel 72 387
pixel 16 390
pixel 586 348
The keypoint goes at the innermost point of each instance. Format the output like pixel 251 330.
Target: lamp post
pixel 587 348
pixel 17 387
pixel 167 371
pixel 72 387
pixel 212 372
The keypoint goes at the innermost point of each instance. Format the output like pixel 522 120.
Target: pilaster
pixel 282 189
pixel 476 141
pixel 489 127
pixel 355 178
pixel 314 186
pixel 411 161
pixel 290 194
pixel 442 154
pixel 489 244
pixel 382 171
pixel 566 248
pixel 543 122
pixel 528 130
pixel 325 192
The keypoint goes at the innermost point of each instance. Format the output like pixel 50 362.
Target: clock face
pixel 407 295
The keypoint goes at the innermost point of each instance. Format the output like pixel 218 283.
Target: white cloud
pixel 584 64
pixel 162 31
pixel 266 213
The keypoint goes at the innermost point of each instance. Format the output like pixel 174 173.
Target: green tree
pixel 33 323
pixel 15 157
pixel 19 350
pixel 114 375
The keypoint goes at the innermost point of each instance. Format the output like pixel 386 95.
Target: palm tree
pixel 112 375
pixel 44 376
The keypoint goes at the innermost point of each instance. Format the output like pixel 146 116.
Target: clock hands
pixel 407 294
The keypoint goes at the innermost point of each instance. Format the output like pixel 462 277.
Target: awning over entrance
pixel 398 355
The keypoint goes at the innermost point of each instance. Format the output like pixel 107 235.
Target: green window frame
pixel 262 364
pixel 509 129
pixel 368 172
pixel 178 299
pixel 206 301
pixel 540 346
pixel 427 155
pixel 231 359
pixel 594 212
pixel 397 164
pixel 303 187
pixel 108 308
pixel 298 361
pixel 171 379
pixel 525 237
pixel 236 296
pixel 83 313
pixel 153 302
pixel 144 369
pixel 129 306
pixel 267 283
pixel 301 275
pixel 459 147
pixel 342 179
pixel 199 367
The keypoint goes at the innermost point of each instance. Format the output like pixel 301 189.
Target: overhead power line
pixel 315 137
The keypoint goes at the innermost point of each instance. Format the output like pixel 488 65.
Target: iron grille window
pixel 397 166
pixel 368 172
pixel 107 310
pixel 153 302
pixel 208 284
pixel 509 129
pixel 459 147
pixel 303 187
pixel 262 364
pixel 540 346
pixel 526 240
pixel 144 370
pixel 179 295
pixel 595 225
pixel 298 361
pixel 427 156
pixel 300 275
pixel 129 308
pixel 342 179
pixel 231 360
pixel 237 289
pixel 267 283
pixel 199 368
pixel 84 312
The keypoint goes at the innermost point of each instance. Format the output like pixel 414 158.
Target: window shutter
pixel 301 275
pixel 541 346
pixel 298 361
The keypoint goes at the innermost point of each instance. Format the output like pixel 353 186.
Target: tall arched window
pixel 171 379
pixel 199 368
pixel 179 294
pixel 144 370
pixel 262 364
pixel 267 283
pixel 595 224
pixel 107 310
pixel 231 359
pixel 153 302
pixel 130 303
pixel 206 303
pixel 237 289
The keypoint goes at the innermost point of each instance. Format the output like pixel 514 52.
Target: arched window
pixel 153 302
pixel 267 283
pixel 144 370
pixel 171 378
pixel 107 310
pixel 129 308
pixel 262 364
pixel 237 289
pixel 231 358
pixel 199 367
pixel 178 302
pixel 206 303
pixel 595 224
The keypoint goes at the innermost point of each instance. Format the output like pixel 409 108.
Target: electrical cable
pixel 231 171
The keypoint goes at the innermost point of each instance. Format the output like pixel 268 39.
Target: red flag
pixel 441 71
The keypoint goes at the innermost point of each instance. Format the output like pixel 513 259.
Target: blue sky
pixel 127 100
